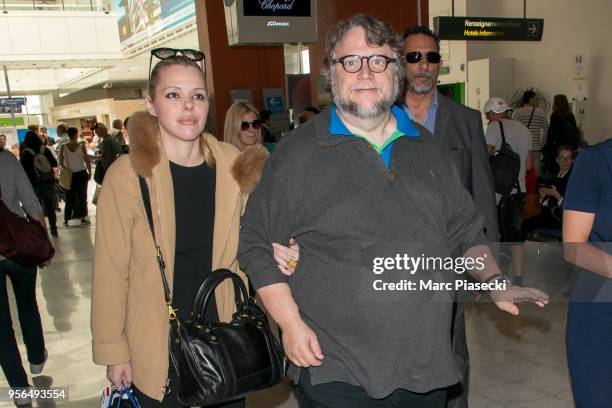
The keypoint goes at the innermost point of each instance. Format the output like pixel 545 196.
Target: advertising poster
pixel 11 136
pixel 141 19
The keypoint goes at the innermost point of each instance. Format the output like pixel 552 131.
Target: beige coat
pixel 129 318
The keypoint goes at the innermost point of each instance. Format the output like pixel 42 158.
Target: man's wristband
pixel 493 277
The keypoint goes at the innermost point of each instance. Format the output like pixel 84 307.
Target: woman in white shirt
pixel 73 156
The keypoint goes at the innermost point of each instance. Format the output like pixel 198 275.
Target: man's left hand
pixel 506 299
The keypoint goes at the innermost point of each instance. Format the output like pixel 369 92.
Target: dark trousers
pixel 457 396
pixel 170 400
pixel 76 197
pixel 510 217
pixel 544 220
pixel 47 196
pixel 343 395
pixel 24 287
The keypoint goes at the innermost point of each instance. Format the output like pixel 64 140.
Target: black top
pixel 562 131
pixel 194 206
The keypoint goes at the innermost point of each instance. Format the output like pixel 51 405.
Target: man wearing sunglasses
pixel 458 131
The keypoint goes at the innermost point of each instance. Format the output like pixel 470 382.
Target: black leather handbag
pixel 219 362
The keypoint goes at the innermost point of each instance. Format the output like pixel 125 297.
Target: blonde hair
pixel 153 81
pixel 233 119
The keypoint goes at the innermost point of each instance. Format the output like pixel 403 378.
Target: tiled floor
pixel 516 362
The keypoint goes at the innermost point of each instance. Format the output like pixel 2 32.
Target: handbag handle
pixel 202 299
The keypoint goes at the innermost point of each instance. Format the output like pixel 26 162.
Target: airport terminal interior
pixel 86 65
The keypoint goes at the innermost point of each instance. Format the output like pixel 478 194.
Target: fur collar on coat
pixel 145 152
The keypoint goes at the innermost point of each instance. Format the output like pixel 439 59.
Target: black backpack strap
pixel 146 200
pixel 503 135
pixel 517 185
pixel 530 117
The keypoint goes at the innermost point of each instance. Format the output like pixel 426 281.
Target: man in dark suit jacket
pixel 459 132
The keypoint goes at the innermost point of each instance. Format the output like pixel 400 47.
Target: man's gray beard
pixel 421 89
pixel 426 87
pixel 358 111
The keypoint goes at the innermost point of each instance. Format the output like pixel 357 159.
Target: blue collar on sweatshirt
pixel 404 123
pixel 405 128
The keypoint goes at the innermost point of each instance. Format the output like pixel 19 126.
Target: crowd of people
pixel 391 159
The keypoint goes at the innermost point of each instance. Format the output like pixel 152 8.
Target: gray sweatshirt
pixel 336 196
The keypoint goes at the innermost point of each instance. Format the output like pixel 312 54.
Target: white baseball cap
pixel 495 104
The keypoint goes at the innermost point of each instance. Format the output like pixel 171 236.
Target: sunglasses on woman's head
pixel 244 126
pixel 416 56
pixel 166 53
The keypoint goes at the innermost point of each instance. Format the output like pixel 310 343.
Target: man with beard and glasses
pixel 359 177
pixel 458 131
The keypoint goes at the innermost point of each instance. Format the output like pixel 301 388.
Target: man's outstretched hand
pixel 506 299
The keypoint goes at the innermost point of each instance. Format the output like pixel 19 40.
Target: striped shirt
pixel 538 126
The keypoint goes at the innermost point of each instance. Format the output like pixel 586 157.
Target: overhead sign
pixel 11 105
pixel 255 22
pixel 489 28
pixel 10 109
pixel 276 8
pixel 12 102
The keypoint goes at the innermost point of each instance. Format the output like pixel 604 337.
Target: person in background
pixel 2 142
pixel 458 131
pixel 43 132
pixel 41 178
pixel 510 207
pixel 108 151
pixel 50 141
pixel 197 187
pixel 46 140
pixel 243 126
pixel 82 140
pixel 534 118
pixel 117 134
pixel 563 131
pixel 309 113
pixel 551 191
pixel 62 133
pixel 266 119
pixel 17 194
pixel 587 243
pixel 73 156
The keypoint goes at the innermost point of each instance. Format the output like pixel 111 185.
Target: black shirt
pixel 194 206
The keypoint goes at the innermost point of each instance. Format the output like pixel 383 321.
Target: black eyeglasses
pixel 166 53
pixel 244 126
pixel 416 56
pixel 353 63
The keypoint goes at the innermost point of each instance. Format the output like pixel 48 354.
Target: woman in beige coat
pixel 198 189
